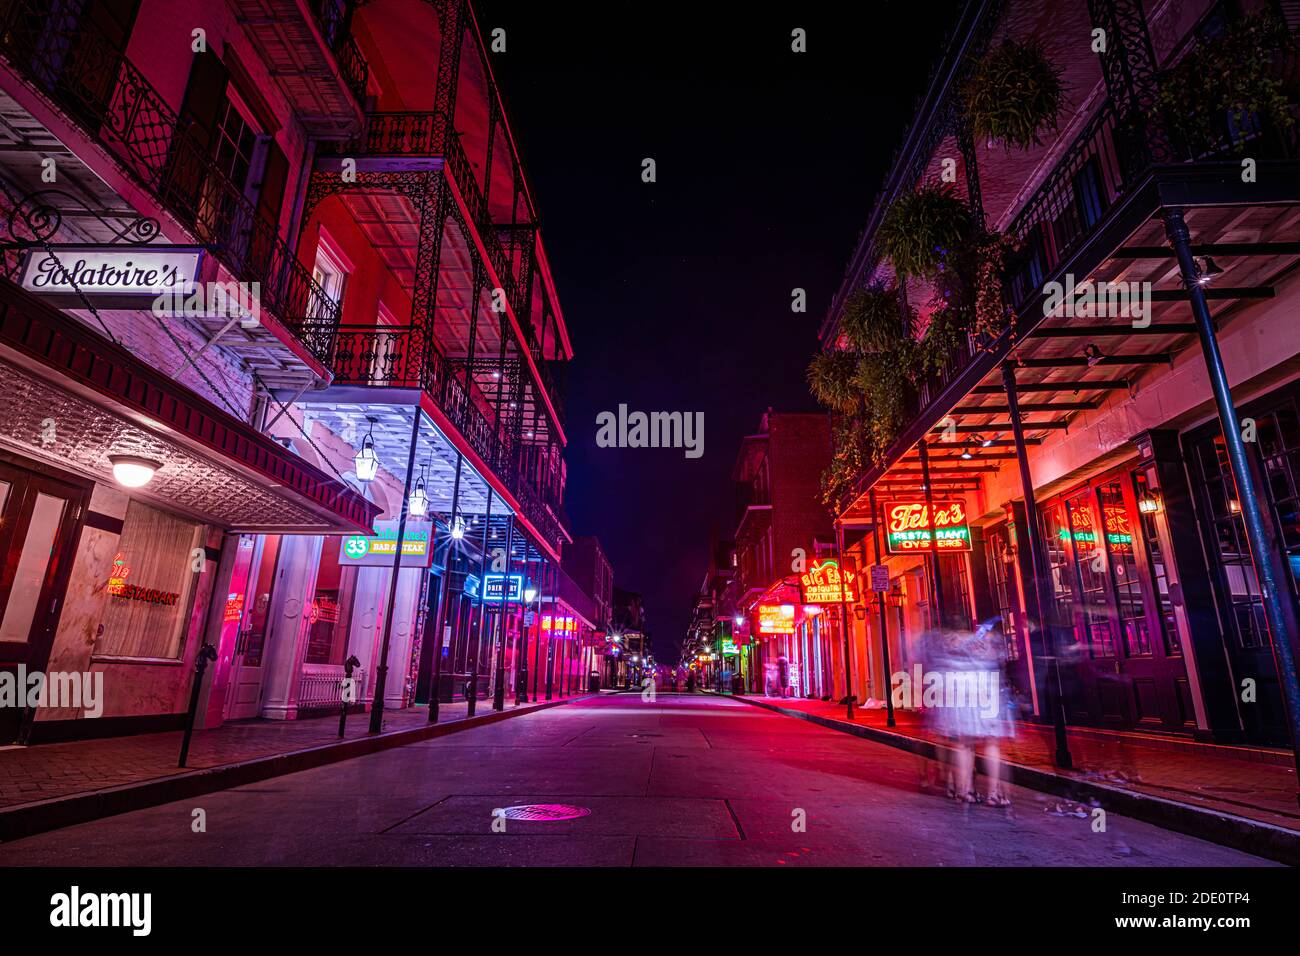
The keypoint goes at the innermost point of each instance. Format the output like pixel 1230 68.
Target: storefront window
pixel 1056 536
pixel 148 586
pixel 1118 528
pixel 1159 571
pixel 327 622
pixel 1090 566
pixel 998 554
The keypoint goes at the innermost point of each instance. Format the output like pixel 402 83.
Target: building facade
pixel 366 452
pixel 1106 473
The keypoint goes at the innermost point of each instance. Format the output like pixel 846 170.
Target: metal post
pixel 521 679
pixel 206 653
pixel 844 621
pixel 440 619
pixel 347 692
pixel 884 615
pixel 542 583
pixel 923 447
pixel 1261 528
pixel 1038 561
pixel 499 685
pixel 381 672
pixel 471 691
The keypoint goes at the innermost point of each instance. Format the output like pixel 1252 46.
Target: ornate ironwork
pixel 1128 64
pixel 111 100
pixel 335 23
pixel 38 216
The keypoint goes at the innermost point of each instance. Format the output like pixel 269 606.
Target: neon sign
pixel 776 619
pixel 1119 531
pixel 495 589
pixel 118 587
pixel 825 583
pixel 909 527
pixel 117 576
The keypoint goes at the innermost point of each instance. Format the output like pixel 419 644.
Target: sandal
pixel 998 800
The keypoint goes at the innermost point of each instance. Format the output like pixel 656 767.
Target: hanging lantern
pixel 418 503
pixel 366 461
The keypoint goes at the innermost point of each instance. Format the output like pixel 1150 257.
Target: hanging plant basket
pixel 832 379
pixel 873 319
pixel 1014 95
pixel 921 229
pixel 1219 89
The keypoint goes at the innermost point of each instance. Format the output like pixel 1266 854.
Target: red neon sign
pixel 825 583
pixel 909 528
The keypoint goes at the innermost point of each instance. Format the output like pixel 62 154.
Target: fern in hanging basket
pixel 873 319
pixel 921 229
pixel 832 379
pixel 1014 95
pixel 1225 82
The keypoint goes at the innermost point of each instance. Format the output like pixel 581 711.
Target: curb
pixel 1226 829
pixel 28 819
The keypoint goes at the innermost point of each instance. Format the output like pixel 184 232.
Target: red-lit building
pixel 1091 482
pixel 782 530
pixel 349 169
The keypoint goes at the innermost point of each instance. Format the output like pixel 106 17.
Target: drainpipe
pixel 923 447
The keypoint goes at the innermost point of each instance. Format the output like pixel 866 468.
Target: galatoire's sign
pixel 909 527
pixel 825 583
pixel 109 273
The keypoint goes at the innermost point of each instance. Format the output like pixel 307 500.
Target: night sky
pixel 677 293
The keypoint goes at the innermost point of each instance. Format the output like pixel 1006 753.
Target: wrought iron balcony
pixel 425 134
pixel 332 20
pixel 104 93
pixel 395 357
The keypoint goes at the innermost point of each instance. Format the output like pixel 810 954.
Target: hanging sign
pixel 909 527
pixel 109 275
pixel 825 583
pixel 377 550
pixel 776 619
pixel 495 587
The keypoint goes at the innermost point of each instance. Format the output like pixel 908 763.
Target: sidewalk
pixel 1180 784
pixel 50 784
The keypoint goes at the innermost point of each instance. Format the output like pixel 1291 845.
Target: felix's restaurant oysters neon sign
pixel 909 528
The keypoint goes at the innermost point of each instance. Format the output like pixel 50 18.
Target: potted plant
pixel 1013 95
pixel 921 228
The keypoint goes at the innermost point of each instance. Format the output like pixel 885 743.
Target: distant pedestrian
pixel 783 676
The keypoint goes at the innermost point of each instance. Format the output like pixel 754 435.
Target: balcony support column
pixel 451 32
pixel 884 614
pixel 476 633
pixel 521 677
pixel 381 671
pixel 1266 550
pixel 1043 597
pixel 936 574
pixel 445 596
pixel 499 685
pixel 970 165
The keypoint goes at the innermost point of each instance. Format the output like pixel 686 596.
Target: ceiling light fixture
pixel 132 471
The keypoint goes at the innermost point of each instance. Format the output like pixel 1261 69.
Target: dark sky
pixel 677 293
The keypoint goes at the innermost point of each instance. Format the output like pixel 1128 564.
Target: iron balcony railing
pixel 1102 166
pixel 331 18
pixel 406 133
pixel 104 93
pixel 397 357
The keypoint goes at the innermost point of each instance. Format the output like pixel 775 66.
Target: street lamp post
pixel 381 672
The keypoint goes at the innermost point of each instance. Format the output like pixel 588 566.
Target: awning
pixel 71 398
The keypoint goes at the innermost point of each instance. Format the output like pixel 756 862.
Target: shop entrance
pixel 246 667
pixel 39 517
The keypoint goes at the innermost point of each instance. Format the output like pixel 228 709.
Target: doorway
pixel 246 670
pixel 40 516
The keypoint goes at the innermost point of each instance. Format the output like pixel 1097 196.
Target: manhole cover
pixel 544 812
